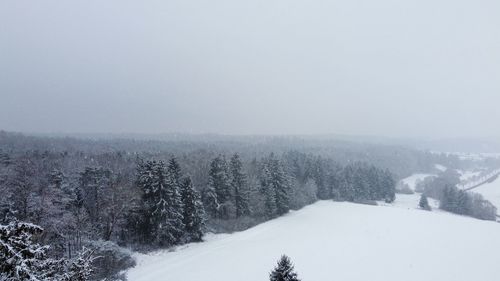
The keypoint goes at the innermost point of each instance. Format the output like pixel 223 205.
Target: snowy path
pixel 341 241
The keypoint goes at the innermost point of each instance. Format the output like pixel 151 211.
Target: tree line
pixel 107 201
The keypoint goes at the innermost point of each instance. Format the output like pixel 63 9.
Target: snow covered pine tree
pixel 194 215
pixel 238 184
pixel 22 259
pixel 283 271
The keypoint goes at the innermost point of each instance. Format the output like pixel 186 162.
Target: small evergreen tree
pixel 284 271
pixel 424 203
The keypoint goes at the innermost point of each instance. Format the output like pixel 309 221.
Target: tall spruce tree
pixel 218 182
pixel 280 184
pixel 389 186
pixel 320 178
pixel 449 199
pixel 210 201
pixel 94 190
pixel 238 184
pixel 162 202
pixel 284 271
pixel 174 212
pixel 267 190
pixel 174 170
pixel 194 214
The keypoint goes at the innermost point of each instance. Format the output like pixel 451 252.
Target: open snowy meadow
pixel 341 241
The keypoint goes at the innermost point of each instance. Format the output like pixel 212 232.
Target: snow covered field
pixel 341 241
pixel 412 180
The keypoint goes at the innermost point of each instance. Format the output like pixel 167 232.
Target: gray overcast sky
pixel 392 68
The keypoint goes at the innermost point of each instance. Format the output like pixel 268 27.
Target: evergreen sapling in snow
pixel 284 271
pixel 424 203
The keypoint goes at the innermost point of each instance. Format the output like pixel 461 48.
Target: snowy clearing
pixel 440 168
pixel 412 180
pixel 341 241
pixel 466 176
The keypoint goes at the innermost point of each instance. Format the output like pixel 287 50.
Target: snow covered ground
pixel 441 168
pixel 341 241
pixel 412 180
pixel 466 176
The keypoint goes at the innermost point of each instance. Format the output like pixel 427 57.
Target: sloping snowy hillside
pixel 341 241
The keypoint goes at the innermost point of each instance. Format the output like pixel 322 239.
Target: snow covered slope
pixel 340 241
pixel 412 180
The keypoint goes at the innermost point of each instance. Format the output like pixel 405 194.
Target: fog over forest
pixel 385 68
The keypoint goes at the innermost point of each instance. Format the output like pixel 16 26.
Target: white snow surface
pixel 412 180
pixel 341 241
pixel 466 176
pixel 440 167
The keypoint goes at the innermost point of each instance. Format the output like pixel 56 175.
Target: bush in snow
pixel 112 259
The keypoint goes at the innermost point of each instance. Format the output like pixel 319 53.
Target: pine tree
pixel 424 203
pixel 280 184
pixel 142 220
pixel 173 227
pixel 22 259
pixel 284 271
pixel 346 187
pixel 388 185
pixel 319 176
pixel 267 189
pixel 174 170
pixel 210 201
pixel 194 215
pixel 238 183
pixel 162 201
pixel 94 192
pixel 22 185
pixel 449 199
pixel 464 203
pixel 218 181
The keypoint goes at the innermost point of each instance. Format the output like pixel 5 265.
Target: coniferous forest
pixel 71 200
